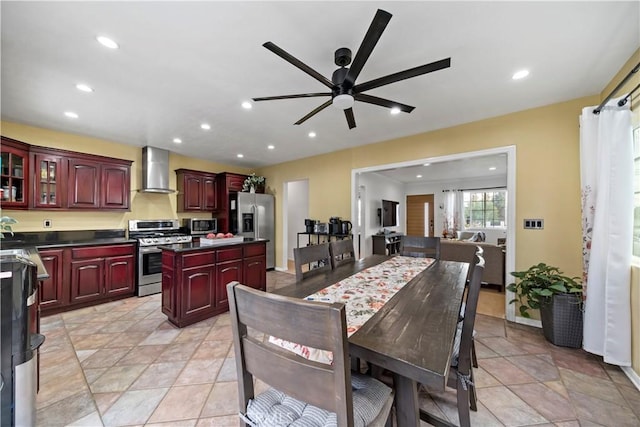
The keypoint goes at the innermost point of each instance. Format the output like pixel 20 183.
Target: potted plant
pixel 252 182
pixel 5 225
pixel 559 299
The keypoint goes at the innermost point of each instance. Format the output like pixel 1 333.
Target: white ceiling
pixel 184 63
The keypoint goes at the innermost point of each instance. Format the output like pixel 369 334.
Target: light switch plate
pixel 46 223
pixel 534 224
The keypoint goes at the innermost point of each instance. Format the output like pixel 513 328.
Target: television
pixel 388 214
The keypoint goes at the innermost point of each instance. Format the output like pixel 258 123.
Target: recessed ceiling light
pixel 520 74
pixel 271 147
pixel 107 42
pixel 427 164
pixel 492 168
pixel 312 134
pixel 395 110
pixel 418 176
pixel 177 140
pixel 205 126
pixel 247 105
pixel 71 114
pixel 240 156
pixel 83 87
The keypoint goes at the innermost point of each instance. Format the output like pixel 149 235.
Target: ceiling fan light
pixel 343 101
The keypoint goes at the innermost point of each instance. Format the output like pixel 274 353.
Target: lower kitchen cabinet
pixel 51 291
pixel 194 280
pixel 87 275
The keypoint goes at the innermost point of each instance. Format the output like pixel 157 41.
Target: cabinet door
pixel 169 289
pixel 84 176
pixel 210 201
pixel 119 276
pixel 14 174
pixel 226 272
pixel 114 187
pixel 198 288
pixel 192 193
pixel 235 182
pixel 255 272
pixel 48 181
pixel 87 279
pixel 51 289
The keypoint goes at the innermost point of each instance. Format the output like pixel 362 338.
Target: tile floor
pixel 123 364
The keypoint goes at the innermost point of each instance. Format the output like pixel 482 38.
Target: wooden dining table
pixel 412 335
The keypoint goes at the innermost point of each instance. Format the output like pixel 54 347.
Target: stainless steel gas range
pixel 151 234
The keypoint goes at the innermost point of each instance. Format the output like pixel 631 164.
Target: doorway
pixel 296 202
pixel 420 215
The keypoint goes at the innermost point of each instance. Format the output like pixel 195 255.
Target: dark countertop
pixel 186 247
pixel 31 242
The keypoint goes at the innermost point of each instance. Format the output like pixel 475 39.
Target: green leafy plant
pixel 5 225
pixel 252 180
pixel 538 282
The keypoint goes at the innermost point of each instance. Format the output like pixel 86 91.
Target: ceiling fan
pixel 344 90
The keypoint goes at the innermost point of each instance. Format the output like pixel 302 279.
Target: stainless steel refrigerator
pixel 256 219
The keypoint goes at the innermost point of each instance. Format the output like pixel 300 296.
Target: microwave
pixel 200 225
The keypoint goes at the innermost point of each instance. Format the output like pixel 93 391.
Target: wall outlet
pixel 47 223
pixel 534 224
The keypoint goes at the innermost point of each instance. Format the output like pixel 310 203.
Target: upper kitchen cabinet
pixel 228 184
pixel 98 183
pixel 197 191
pixel 14 174
pixel 48 180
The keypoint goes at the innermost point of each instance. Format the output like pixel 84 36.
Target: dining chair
pixel 461 372
pixel 342 252
pixel 317 257
pixel 479 254
pixel 420 246
pixel 300 390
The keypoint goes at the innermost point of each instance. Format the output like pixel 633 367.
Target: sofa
pixel 463 250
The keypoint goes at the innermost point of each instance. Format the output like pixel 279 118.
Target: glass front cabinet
pixel 14 172
pixel 48 179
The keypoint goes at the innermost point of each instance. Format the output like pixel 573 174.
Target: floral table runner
pixel 363 294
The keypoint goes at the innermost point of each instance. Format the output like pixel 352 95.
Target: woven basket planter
pixel 561 316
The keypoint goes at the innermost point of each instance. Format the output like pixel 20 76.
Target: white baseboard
pixel 632 375
pixel 284 270
pixel 529 322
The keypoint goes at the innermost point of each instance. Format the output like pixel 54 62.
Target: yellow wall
pixel 143 205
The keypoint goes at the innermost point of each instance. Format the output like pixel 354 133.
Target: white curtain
pixel 453 211
pixel 606 166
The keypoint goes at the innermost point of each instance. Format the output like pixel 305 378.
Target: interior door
pixel 416 215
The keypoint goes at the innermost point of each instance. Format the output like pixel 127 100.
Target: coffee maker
pixel 345 227
pixel 309 225
pixel 335 225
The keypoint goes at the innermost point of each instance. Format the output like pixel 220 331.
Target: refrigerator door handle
pixel 256 221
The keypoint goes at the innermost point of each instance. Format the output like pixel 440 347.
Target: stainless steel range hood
pixel 155 171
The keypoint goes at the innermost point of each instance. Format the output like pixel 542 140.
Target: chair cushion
pixel 274 408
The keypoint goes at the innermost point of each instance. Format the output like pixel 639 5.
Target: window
pixel 485 209
pixel 636 192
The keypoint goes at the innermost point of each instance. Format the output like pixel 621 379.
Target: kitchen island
pixel 195 276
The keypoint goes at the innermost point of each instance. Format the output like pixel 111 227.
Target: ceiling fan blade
pixel 297 63
pixel 402 75
pixel 379 23
pixel 300 95
pixel 383 102
pixel 314 112
pixel 351 120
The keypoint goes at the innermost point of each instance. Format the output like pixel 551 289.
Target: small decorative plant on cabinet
pixel 5 225
pixel 559 299
pixel 252 182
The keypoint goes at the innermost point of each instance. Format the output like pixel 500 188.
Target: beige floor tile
pixel 551 405
pixel 200 372
pixel 142 355
pixel 604 412
pixel 505 371
pixel 133 407
pixel 91 420
pixel 508 408
pixel 224 421
pixel 212 350
pixel 117 378
pixel 175 407
pixel 536 367
pixel 104 358
pixel 67 410
pixel 158 375
pixel 178 351
pixel 158 337
pixel 223 400
pixel 105 400
pixel 596 387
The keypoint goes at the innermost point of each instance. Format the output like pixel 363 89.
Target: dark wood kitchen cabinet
pixel 51 291
pixel 95 184
pixel 197 191
pixel 86 275
pixel 228 184
pixel 194 278
pixel 48 179
pixel 14 174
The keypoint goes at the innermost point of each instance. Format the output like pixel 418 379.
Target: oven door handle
pixel 153 250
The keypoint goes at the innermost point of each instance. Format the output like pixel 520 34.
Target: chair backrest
pixel 471 304
pixel 420 246
pixel 476 257
pixel 313 324
pixel 342 252
pixel 316 256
